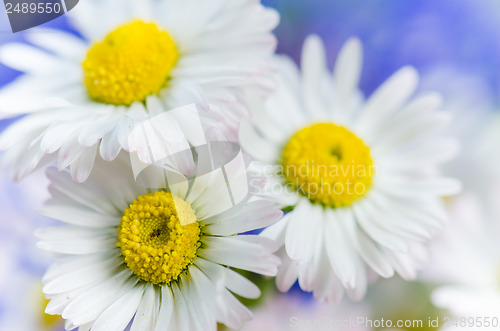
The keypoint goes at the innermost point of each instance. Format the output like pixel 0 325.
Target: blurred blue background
pixel 462 35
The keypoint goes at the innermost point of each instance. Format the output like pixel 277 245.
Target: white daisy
pixel 124 252
pixel 359 175
pixel 137 59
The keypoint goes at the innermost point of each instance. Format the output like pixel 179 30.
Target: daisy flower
pixel 162 255
pixel 136 59
pixel 358 177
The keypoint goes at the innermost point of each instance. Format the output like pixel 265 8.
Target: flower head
pixel 359 178
pixel 164 255
pixel 136 60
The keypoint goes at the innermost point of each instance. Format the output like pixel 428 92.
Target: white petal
pixel 416 129
pixel 288 272
pixel 76 215
pixel 189 121
pixel 241 286
pixel 403 264
pixel 56 135
pixel 285 102
pixel 237 311
pixel 88 306
pixel 74 232
pixel 28 59
pixel 85 327
pixel 215 273
pixel 205 204
pixel 68 325
pixel 147 312
pixel 416 110
pixel 110 146
pixel 65 265
pixel 181 310
pixel 78 247
pixel 391 95
pixel 89 274
pixel 359 289
pixel 234 281
pixel 326 285
pixel 165 314
pixel 347 72
pixel 369 251
pixel 196 289
pixel 410 228
pixel 84 194
pixel 59 302
pixel 303 231
pixel 62 43
pixel 255 215
pixel 425 187
pixel 240 253
pixel 255 145
pixel 81 168
pixel 371 225
pixel 277 231
pixel 117 316
pixel 28 128
pixel 340 249
pixel 76 240
pixel 314 71
pixel 265 124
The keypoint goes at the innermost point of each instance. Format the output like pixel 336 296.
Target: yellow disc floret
pixel 132 62
pixel 159 236
pixel 328 164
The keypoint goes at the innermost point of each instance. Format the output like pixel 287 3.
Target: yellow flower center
pixel 328 164
pixel 159 236
pixel 132 62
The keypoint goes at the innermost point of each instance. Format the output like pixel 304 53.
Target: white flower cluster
pixel 170 129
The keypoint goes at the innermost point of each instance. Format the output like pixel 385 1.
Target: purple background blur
pixel 462 35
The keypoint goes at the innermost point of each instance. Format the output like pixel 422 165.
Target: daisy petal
pixel 347 72
pixel 313 72
pixel 119 314
pixel 391 95
pixel 147 311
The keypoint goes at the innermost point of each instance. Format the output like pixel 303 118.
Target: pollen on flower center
pixel 328 164
pixel 159 236
pixel 132 62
